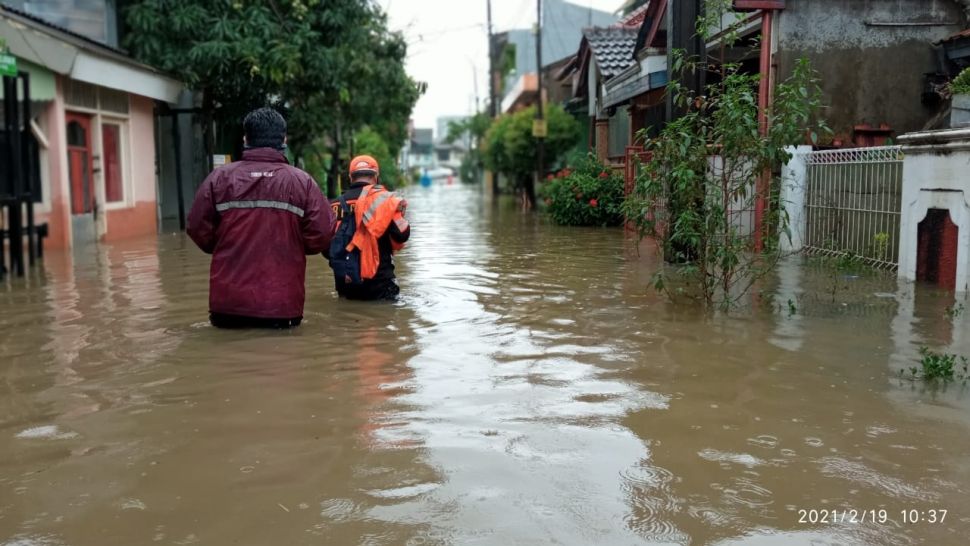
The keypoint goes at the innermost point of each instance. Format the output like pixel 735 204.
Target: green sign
pixel 8 65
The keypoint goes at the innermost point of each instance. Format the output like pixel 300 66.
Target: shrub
pixel 961 84
pixel 586 194
pixel 940 365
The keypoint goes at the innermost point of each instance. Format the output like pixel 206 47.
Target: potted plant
pixel 960 108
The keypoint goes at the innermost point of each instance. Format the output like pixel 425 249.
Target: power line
pixel 436 35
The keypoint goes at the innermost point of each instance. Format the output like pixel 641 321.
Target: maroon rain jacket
pixel 259 218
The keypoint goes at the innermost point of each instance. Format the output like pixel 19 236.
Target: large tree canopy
pixel 510 147
pixel 332 65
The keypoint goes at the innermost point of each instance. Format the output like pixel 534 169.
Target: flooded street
pixel 529 388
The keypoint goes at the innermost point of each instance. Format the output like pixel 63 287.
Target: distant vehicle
pixel 438 173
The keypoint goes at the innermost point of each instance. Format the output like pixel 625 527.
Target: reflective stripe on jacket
pixel 374 211
pixel 259 218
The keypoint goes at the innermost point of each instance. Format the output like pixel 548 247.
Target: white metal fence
pixel 852 203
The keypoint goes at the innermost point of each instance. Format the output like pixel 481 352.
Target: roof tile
pixel 612 47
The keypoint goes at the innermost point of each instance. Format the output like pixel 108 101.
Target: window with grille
pixel 81 94
pixel 112 154
pixel 113 101
pixel 93 97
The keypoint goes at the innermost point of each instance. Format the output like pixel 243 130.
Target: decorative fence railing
pixel 852 203
pixel 633 159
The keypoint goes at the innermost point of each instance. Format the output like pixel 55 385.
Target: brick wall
pixel 936 254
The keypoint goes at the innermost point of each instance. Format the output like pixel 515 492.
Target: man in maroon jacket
pixel 259 218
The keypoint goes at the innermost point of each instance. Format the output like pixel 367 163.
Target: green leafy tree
pixel 475 127
pixel 235 53
pixel 332 65
pixel 360 81
pixel 370 142
pixel 693 194
pixel 510 148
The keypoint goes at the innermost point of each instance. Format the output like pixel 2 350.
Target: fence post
pixel 631 158
pixel 794 188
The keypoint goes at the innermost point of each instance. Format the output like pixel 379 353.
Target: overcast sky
pixel 448 46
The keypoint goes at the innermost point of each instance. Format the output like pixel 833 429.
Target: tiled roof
pixel 962 34
pixel 635 18
pixel 612 47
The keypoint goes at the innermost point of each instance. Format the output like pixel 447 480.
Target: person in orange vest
pixel 380 230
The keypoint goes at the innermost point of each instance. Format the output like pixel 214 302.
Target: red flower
pixel 604 174
pixel 566 172
pixel 593 203
pixel 549 177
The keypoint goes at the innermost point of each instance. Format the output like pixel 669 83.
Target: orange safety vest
pixel 374 211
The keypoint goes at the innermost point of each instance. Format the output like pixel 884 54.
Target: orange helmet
pixel 364 164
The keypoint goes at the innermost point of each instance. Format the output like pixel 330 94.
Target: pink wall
pixel 141 219
pixel 59 217
pixel 137 220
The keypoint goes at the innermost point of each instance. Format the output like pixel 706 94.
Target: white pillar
pixel 794 186
pixel 935 176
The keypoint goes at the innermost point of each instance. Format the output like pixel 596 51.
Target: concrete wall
pixel 194 166
pixel 138 218
pixel 871 55
pixel 934 177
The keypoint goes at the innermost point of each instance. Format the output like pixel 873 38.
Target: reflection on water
pixel 529 387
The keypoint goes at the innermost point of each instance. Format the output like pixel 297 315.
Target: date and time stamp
pixel 906 516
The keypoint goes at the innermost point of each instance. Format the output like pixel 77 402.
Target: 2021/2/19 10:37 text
pixel 880 515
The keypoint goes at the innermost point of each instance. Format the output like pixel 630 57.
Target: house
pixel 93 123
pixel 562 26
pixel 605 54
pixel 421 149
pixel 873 59
pixel 619 80
pixel 639 90
pixel 449 155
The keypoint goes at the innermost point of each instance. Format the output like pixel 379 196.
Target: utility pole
pixel 492 91
pixel 475 83
pixel 539 125
pixel 492 109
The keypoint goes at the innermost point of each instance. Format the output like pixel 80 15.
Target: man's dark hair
pixel 265 128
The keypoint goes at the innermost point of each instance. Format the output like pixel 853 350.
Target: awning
pixel 635 86
pixel 69 55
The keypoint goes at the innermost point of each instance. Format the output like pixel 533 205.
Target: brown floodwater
pixel 529 388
